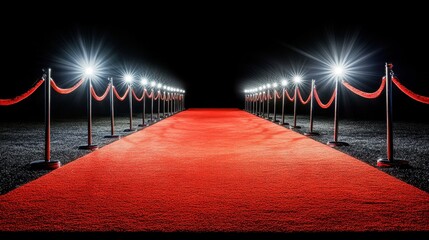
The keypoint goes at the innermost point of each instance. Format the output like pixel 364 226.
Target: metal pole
pixel 294 107
pixel 159 104
pixel 144 108
pixel 90 146
pixel 336 142
pixel 151 107
pixel 390 161
pixel 112 112
pixel 174 104
pixel 275 105
pixel 283 108
pixel 268 104
pixel 48 117
pixel 163 105
pixel 168 105
pixel 263 107
pixel 310 133
pixel 47 163
pixel 130 98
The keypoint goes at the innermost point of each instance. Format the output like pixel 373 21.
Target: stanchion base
pixel 384 162
pixel 337 144
pixel 143 125
pixel 284 124
pixel 130 130
pixel 89 147
pixel 311 134
pixel 275 121
pixel 294 127
pixel 112 136
pixel 43 164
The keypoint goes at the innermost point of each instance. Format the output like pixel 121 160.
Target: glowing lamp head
pixel 264 87
pixel 275 85
pixel 89 71
pixel 128 78
pixel 159 85
pixel 297 79
pixel 338 71
pixel 284 82
pixel 153 84
pixel 268 85
pixel 144 81
pixel 260 88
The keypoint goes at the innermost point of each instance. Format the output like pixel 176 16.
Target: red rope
pixel 119 97
pixel 102 97
pixel 157 96
pixel 409 93
pixel 277 95
pixel 148 95
pixel 302 100
pixel 65 90
pixel 139 99
pixel 288 96
pixel 17 99
pixel 365 94
pixel 316 96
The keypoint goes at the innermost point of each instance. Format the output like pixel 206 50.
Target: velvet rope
pixel 65 90
pixel 102 97
pixel 277 95
pixel 157 96
pixel 139 99
pixel 409 93
pixel 118 96
pixel 328 104
pixel 302 100
pixel 288 96
pixel 148 95
pixel 366 94
pixel 17 99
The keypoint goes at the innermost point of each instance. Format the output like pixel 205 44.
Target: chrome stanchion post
pixel 90 146
pixel 144 83
pixel 296 80
pixel 284 84
pixel 338 71
pixel 129 80
pixel 311 133
pixel 47 163
pixel 390 161
pixel 275 102
pixel 112 111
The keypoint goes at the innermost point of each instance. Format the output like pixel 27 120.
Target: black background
pixel 213 51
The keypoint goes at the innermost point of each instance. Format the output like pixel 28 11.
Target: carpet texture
pixel 216 170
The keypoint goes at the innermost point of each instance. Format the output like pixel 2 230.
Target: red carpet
pixel 216 170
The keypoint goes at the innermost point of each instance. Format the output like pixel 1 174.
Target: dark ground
pixel 23 142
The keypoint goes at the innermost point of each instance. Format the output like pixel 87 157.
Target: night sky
pixel 212 51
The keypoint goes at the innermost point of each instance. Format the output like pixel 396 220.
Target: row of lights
pixel 128 78
pixel 283 83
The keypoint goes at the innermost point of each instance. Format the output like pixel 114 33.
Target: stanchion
pixel 268 101
pixel 112 113
pixel 168 102
pixel 263 105
pixel 296 80
pixel 284 84
pixel 174 102
pixel 390 161
pixel 129 79
pixel 275 102
pixel 338 71
pixel 47 163
pixel 152 84
pixel 144 83
pixel 311 133
pixel 183 100
pixel 90 146
pixel 163 104
pixel 159 105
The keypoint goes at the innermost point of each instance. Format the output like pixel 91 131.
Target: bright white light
pixel 260 88
pixel 275 85
pixel 268 85
pixel 164 87
pixel 144 81
pixel 284 82
pixel 338 71
pixel 159 85
pixel 128 78
pixel 297 79
pixel 153 84
pixel 89 71
pixel 264 87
